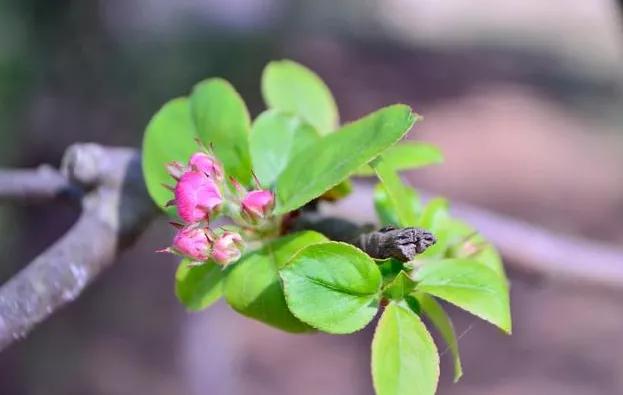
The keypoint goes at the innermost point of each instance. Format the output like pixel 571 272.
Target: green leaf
pixel 407 156
pixel 197 287
pixel 169 137
pixel 291 87
pixel 465 242
pixel 399 287
pixel 337 155
pixel 440 319
pixel 434 214
pixel 404 357
pixel 470 286
pixel 222 120
pixel 275 138
pixel 384 208
pixel 439 249
pixel 333 287
pixel 396 191
pixel 413 304
pixel 389 268
pixel 252 286
pixel 339 191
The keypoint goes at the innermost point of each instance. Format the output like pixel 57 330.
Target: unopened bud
pixel 197 196
pixel 191 242
pixel 206 164
pixel 226 248
pixel 257 204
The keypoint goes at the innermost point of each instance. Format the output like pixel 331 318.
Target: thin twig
pixel 31 185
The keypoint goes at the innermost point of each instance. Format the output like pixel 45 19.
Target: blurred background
pixel 525 97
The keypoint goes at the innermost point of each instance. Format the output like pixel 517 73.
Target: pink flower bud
pixel 226 248
pixel 191 242
pixel 175 169
pixel 197 196
pixel 207 164
pixel 257 204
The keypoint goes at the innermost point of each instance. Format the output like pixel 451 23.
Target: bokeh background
pixel 525 97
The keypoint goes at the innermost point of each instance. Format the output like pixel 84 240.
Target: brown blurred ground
pixel 525 100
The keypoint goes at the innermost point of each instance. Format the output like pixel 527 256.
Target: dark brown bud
pixel 402 244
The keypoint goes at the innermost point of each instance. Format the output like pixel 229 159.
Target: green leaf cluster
pixel 296 147
pixel 462 268
pixel 302 282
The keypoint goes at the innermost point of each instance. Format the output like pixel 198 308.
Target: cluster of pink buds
pixel 200 194
pixel 200 244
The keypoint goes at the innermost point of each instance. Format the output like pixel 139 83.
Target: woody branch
pixel 116 208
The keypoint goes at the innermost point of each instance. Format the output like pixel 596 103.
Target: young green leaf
pixel 340 191
pixel 169 137
pixel 399 287
pixel 465 242
pixel 407 156
pixel 291 87
pixel 384 207
pixel 396 191
pixel 198 287
pixel 390 268
pixel 222 120
pixel 336 156
pixel 440 319
pixel 333 287
pixel 404 357
pixel 440 248
pixel 469 285
pixel 275 138
pixel 413 304
pixel 252 286
pixel 434 214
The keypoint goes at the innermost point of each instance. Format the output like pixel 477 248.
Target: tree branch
pixel 31 185
pixel 114 210
pixel 532 249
